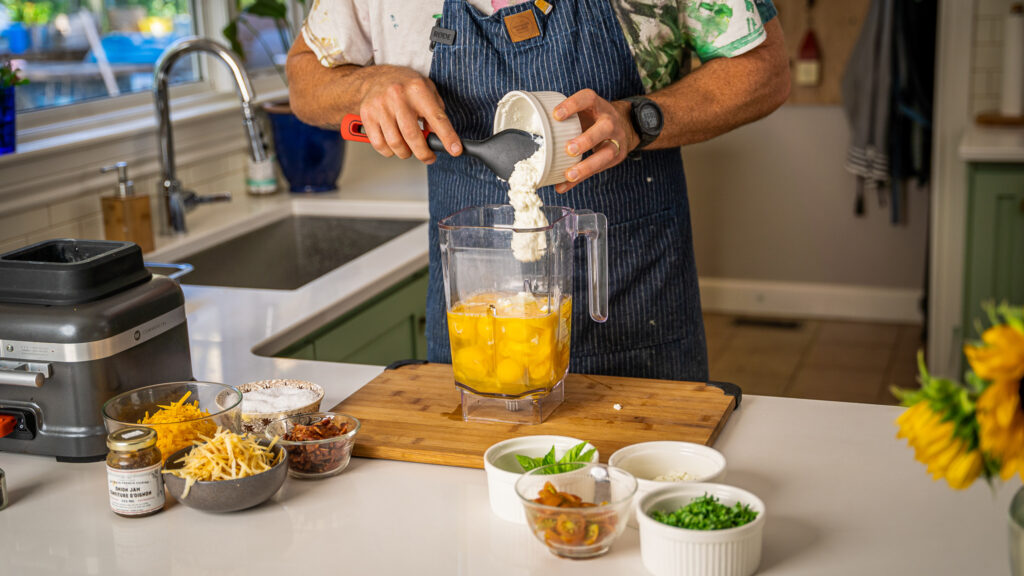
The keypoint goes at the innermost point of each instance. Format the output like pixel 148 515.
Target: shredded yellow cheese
pixel 225 456
pixel 178 425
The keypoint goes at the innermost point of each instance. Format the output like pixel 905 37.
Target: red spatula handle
pixel 352 129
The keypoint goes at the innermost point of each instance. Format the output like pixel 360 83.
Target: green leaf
pixel 549 458
pixel 528 463
pixel 268 9
pixel 573 454
pixel 230 33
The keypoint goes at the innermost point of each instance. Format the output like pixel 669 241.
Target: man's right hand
pixel 394 99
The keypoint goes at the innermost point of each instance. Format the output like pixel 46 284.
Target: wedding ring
pixel 618 148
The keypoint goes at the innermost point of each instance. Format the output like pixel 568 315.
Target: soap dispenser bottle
pixel 127 217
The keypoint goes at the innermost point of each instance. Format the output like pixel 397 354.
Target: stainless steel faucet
pixel 176 200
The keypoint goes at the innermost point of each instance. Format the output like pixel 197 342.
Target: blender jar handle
pixel 594 226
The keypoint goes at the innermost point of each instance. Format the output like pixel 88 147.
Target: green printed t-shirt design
pixel 662 33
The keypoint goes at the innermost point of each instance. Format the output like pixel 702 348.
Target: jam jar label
pixel 136 492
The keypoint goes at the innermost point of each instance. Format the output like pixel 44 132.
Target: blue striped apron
pixel 655 328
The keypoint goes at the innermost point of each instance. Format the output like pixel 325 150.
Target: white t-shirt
pixel 365 32
pixel 397 32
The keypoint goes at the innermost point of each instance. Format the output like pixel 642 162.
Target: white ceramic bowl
pixel 503 469
pixel 648 460
pixel 669 551
pixel 532 112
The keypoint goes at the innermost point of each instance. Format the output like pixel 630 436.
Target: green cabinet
pixel 390 326
pixel 994 258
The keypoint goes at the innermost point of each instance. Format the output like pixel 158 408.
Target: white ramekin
pixel 503 470
pixel 648 460
pixel 531 111
pixel 669 551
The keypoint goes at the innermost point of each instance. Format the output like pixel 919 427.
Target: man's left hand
pixel 607 131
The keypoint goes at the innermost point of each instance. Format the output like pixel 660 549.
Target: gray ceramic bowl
pixel 226 495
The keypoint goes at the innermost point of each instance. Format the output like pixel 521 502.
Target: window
pixel 77 50
pixel 264 41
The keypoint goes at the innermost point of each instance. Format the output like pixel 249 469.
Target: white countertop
pixel 992 144
pixel 843 495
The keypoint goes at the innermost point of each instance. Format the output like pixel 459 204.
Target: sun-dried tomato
pixel 565 528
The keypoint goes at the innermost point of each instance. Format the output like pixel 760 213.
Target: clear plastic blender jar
pixel 509 322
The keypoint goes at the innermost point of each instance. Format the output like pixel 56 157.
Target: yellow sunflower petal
pixel 1002 356
pixel 964 470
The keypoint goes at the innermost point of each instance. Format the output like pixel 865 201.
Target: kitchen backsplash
pixel 987 54
pixel 80 217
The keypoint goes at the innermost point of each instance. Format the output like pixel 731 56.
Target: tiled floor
pixel 820 359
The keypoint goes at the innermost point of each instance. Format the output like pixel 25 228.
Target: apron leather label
pixel 522 26
pixel 442 35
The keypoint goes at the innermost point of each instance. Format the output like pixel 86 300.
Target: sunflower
pixel 1001 426
pixel 936 445
pixel 939 424
pixel 999 362
pixel 1001 356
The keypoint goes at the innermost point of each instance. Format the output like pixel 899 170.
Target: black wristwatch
pixel 647 119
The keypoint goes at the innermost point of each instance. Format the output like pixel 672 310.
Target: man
pixel 625 65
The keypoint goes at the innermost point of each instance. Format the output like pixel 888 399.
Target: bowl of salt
pixel 267 400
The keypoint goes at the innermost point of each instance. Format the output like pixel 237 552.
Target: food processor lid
pixel 66 271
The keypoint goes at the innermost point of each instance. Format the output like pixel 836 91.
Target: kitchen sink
pixel 289 253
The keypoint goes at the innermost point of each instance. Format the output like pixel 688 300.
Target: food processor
pixel 509 322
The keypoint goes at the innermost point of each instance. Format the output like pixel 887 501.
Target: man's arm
pixel 390 100
pixel 717 97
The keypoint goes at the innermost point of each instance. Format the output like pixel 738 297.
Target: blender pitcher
pixel 509 321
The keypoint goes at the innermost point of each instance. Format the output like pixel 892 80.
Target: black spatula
pixel 499 152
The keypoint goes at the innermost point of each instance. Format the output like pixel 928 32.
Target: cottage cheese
pixel 522 195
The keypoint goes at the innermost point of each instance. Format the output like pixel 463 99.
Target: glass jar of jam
pixel 134 479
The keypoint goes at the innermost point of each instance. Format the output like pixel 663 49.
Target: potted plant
pixel 9 78
pixel 309 156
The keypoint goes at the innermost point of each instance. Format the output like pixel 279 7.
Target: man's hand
pixel 393 101
pixel 607 130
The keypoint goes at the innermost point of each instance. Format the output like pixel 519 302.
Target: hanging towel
pixel 867 99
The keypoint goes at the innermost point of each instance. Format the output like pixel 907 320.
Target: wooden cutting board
pixel 413 414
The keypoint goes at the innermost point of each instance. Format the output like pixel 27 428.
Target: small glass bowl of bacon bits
pixel 577 509
pixel 319 444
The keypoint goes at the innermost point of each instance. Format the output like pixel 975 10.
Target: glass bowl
pixel 312 459
pixel 605 492
pixel 222 403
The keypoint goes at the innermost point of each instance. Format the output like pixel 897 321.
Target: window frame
pixel 61 123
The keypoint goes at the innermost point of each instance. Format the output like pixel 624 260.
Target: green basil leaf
pixel 527 463
pixel 549 458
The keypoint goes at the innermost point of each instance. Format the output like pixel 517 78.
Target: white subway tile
pixel 68 230
pixel 23 224
pixel 74 209
pixel 988 57
pixel 993 7
pixel 91 228
pixel 207 169
pixel 985 104
pixel 979 83
pixel 13 244
pixel 983 31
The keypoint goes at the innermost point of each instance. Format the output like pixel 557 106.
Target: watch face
pixel 650 119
